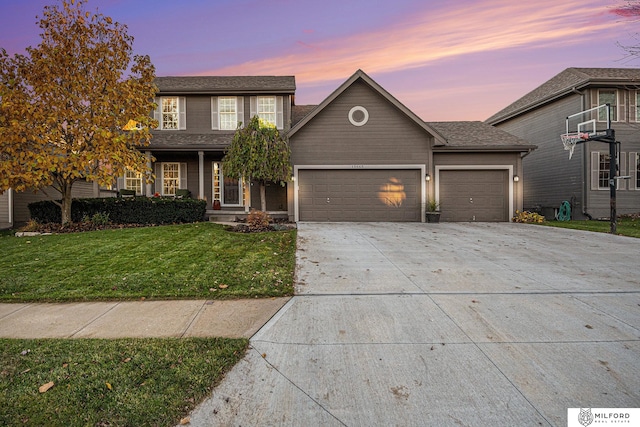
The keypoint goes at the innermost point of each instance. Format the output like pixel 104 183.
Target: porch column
pixel 147 191
pixel 201 175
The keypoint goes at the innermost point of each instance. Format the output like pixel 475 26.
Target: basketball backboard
pixel 588 125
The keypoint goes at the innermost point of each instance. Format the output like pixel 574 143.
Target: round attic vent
pixel 358 116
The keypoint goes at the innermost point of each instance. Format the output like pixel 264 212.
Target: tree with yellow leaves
pixel 66 104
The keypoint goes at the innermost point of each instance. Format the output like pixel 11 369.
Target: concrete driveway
pixel 443 324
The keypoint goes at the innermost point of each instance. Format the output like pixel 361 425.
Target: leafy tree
pixel 65 104
pixel 258 152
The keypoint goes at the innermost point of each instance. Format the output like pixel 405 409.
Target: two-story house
pixel 551 177
pixel 197 119
pixel 360 155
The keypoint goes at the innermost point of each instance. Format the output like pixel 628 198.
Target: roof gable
pixel 563 84
pixel 226 84
pixel 361 75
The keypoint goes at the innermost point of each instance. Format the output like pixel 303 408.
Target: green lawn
pixel 624 226
pixel 126 382
pixel 199 260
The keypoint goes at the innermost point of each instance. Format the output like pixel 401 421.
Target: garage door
pixel 474 195
pixel 359 195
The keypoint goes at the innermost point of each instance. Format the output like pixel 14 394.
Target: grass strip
pixel 124 382
pixel 202 261
pixel 629 227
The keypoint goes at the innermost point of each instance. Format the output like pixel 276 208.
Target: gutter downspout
pixel 585 164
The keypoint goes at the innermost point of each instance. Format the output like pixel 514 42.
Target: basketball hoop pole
pixel 613 163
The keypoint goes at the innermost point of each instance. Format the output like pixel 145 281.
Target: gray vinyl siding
pixel 4 210
pixel 549 177
pixel 80 189
pixel 389 137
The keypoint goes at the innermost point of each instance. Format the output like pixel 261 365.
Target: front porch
pixel 240 215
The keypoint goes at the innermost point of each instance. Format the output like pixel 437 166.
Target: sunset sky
pixel 445 60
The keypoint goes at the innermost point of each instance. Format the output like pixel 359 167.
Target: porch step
pixel 238 216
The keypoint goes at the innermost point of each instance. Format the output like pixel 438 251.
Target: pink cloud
pixel 429 36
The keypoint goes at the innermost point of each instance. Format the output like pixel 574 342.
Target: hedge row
pixel 128 210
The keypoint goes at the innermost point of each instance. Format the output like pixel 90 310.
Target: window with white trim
pixel 228 112
pixel 603 170
pixel 637 106
pixel 267 109
pixel 133 181
pixel 170 113
pixel 608 96
pixel 170 178
pixel 227 190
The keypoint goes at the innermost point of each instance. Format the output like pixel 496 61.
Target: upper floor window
pixel 228 112
pixel 608 96
pixel 171 112
pixel 269 108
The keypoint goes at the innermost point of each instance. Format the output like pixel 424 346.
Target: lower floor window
pixel 227 190
pixel 603 170
pixel 133 181
pixel 170 178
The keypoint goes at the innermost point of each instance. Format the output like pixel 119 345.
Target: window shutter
pixel 594 103
pixel 595 170
pixel 157 115
pixel 215 124
pixel 633 171
pixel 633 106
pixel 253 106
pixel 157 184
pixel 120 183
pixel 622 105
pixel 183 176
pixel 621 184
pixel 182 109
pixel 279 112
pixel 240 106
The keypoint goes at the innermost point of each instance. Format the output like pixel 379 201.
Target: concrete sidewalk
pixel 138 319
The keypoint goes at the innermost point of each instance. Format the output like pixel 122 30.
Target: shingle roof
pixel 226 84
pixel 298 112
pixel 563 83
pixel 478 135
pixel 168 140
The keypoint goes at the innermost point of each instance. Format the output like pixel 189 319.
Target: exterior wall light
pixel 516 178
pixel 427 177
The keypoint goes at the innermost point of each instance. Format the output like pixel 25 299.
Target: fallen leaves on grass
pixel 45 387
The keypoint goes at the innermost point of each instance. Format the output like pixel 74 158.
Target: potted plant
pixel 433 211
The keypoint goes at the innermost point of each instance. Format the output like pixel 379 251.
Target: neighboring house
pixel 551 178
pixel 361 155
pixel 6 209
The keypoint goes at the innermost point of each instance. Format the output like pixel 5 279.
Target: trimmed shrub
pixel 130 210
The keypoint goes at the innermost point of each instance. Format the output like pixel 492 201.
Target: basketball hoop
pixel 571 139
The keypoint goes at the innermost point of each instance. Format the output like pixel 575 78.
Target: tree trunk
pixel 263 196
pixel 66 203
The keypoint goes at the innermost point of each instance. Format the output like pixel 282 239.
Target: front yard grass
pixel 624 226
pixel 125 382
pixel 197 261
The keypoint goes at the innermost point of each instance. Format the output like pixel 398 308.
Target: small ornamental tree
pixel 258 152
pixel 65 105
